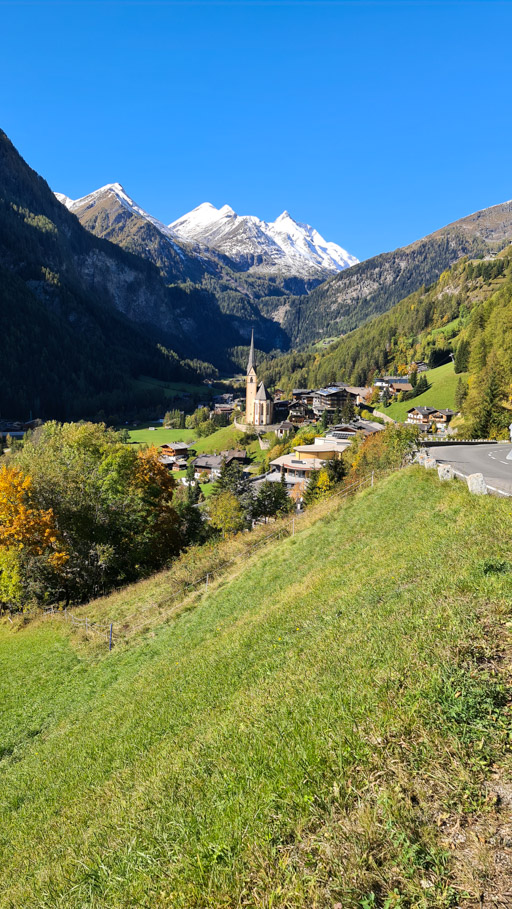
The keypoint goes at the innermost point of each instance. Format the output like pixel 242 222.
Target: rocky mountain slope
pixel 352 297
pixel 79 317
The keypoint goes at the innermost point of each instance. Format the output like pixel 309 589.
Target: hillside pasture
pixel 441 394
pixel 310 731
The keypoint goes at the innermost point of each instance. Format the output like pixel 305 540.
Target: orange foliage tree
pixel 26 532
pixel 24 526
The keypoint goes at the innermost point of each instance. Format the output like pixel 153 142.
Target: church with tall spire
pixel 259 404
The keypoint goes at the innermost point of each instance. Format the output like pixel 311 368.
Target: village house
pixel 442 417
pixel 235 454
pixel 16 429
pixel 208 465
pixel 303 396
pixel 223 409
pixel 175 449
pixel 299 412
pixel 284 429
pixel 396 387
pixel 329 399
pixel 421 416
pixel 211 464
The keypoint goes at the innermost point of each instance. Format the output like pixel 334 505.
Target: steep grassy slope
pixel 443 383
pixel 309 734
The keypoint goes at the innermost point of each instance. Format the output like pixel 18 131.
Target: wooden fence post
pixel 110 637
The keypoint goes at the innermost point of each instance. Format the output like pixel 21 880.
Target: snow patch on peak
pixel 64 200
pixel 284 245
pixel 103 195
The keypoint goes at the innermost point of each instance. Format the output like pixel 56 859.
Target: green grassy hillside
pixel 308 733
pixel 443 383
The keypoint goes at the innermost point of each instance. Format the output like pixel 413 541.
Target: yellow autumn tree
pixel 24 529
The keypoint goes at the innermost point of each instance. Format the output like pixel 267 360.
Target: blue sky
pixel 375 122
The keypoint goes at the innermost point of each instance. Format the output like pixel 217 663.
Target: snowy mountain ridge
pixel 116 191
pixel 284 246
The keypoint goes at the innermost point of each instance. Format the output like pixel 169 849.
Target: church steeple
pixel 251 384
pixel 252 359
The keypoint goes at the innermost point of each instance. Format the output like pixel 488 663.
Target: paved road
pixel 491 460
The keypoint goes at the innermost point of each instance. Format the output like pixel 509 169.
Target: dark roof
pixel 262 394
pixel 447 412
pixel 176 446
pixel 210 461
pixel 302 391
pixel 424 411
pixel 252 359
pixel 234 454
pixel 285 425
pixel 332 390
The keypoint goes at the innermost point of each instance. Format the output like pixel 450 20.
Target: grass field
pixel 314 731
pixel 443 382
pixel 220 440
pixel 159 435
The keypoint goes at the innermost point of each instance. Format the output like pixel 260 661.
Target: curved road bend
pixel 491 460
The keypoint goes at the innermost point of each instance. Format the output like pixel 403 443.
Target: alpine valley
pixel 99 293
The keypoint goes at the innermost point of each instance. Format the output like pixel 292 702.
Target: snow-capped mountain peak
pixel 107 194
pixel 283 245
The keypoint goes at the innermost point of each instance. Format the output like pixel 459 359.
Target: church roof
pixel 252 359
pixel 262 394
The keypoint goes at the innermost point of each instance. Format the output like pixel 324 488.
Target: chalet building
pixel 223 409
pixel 443 417
pixel 209 465
pixel 349 430
pixel 303 396
pixel 360 394
pixel 235 454
pixel 259 404
pixel 299 412
pixel 421 416
pixel 396 387
pixel 175 449
pixel 284 429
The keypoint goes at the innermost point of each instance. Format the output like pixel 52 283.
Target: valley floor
pixel 328 727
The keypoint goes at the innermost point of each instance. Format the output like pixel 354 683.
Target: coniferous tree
pixel 460 393
pixel 461 360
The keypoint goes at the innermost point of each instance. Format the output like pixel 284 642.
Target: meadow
pixel 441 394
pixel 314 730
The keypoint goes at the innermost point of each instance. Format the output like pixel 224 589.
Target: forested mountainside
pixel 111 214
pixel 285 309
pixel 78 315
pixel 467 313
pixel 353 296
